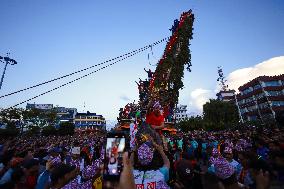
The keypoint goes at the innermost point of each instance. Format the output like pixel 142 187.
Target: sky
pixel 50 38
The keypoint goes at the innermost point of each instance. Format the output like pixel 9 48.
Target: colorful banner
pixel 133 131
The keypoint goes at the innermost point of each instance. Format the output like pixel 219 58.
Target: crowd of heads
pixel 248 157
pixel 50 162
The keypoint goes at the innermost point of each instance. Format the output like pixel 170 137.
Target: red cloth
pixel 114 150
pixel 31 182
pixel 152 119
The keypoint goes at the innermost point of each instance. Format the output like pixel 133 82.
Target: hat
pixel 184 169
pixel 56 160
pixel 228 150
pixel 157 105
pixel 215 152
pixel 239 148
pixel 145 154
pixel 223 169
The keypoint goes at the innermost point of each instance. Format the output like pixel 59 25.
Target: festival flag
pixel 133 131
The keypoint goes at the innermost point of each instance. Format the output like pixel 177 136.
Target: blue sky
pixel 51 38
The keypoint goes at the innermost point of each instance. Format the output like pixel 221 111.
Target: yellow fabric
pixel 98 184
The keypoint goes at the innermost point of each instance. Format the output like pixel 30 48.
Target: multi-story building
pixel 89 120
pixel 227 96
pixel 262 98
pixel 180 113
pixel 39 106
pixel 65 114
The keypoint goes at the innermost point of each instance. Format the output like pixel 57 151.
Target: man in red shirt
pixel 155 118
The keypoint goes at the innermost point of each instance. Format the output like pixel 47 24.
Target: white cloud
pixel 237 78
pixel 273 66
pixel 198 97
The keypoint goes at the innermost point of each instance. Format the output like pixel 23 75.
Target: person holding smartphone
pixel 149 170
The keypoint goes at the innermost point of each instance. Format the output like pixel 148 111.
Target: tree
pixel 49 130
pixel 10 115
pixel 33 130
pixel 219 114
pixel 10 130
pixel 50 116
pixel 66 128
pixel 10 118
pixel 191 123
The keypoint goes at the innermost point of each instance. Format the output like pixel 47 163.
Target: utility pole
pixel 6 60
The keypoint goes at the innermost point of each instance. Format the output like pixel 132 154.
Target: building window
pixel 83 122
pixel 248 90
pixel 258 96
pixel 271 83
pixel 263 105
pixel 256 87
pixel 278 103
pixel 274 93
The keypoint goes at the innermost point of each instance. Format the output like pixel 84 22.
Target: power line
pixel 143 49
pixel 67 75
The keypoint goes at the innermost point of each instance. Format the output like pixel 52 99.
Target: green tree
pixel 33 130
pixel 50 117
pixel 49 130
pixel 219 114
pixel 10 130
pixel 66 128
pixel 10 115
pixel 191 123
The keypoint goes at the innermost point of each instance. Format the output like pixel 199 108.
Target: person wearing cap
pixel 226 173
pixel 154 116
pixel 62 175
pixel 149 170
pixel 228 154
pixel 77 162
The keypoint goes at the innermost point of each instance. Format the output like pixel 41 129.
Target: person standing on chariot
pixel 150 73
pixel 155 117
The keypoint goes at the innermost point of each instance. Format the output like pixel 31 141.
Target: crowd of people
pixel 50 162
pixel 250 157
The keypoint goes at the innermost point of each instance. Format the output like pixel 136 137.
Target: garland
pixel 167 80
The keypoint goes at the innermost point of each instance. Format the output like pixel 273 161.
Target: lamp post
pixel 6 60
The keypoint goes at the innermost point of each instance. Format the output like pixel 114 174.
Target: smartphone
pixel 114 149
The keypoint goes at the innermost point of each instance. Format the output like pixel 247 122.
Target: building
pixel 262 98
pixel 89 120
pixel 180 113
pixel 65 114
pixel 39 106
pixel 227 96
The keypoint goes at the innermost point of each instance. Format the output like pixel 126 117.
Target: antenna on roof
pixel 84 106
pixel 221 79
